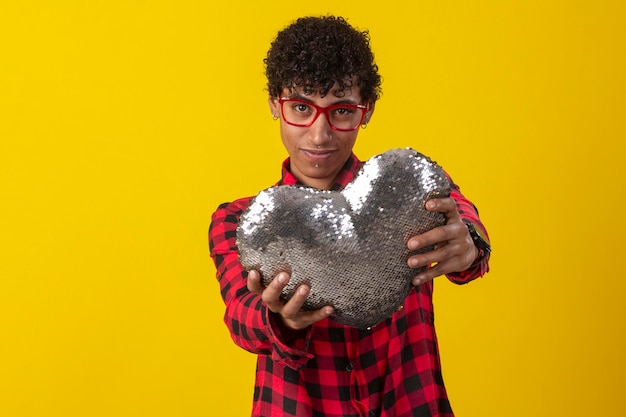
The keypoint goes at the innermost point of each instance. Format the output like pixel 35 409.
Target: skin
pixel 317 144
pixel 454 249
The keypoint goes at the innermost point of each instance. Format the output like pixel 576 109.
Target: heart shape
pixel 349 246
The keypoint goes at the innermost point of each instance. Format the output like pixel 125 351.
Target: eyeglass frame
pixel 319 110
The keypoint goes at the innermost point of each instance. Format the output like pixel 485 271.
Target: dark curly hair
pixel 315 52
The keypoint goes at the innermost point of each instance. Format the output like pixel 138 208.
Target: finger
pixel 442 252
pixel 437 235
pixel 440 204
pixel 435 271
pixel 271 294
pixel 294 305
pixel 444 205
pixel 295 317
pixel 307 318
pixel 254 282
pixel 458 261
pixel 427 275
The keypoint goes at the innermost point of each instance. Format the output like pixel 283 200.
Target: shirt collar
pixel 347 173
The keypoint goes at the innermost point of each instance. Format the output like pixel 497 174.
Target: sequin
pixel 349 246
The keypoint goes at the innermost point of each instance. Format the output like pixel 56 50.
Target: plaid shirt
pixel 329 369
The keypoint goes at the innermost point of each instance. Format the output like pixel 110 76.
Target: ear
pixel 370 111
pixel 274 107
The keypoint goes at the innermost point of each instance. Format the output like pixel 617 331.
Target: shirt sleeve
pixel 469 212
pixel 252 325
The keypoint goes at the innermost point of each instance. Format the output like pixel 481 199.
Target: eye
pixel 301 108
pixel 343 111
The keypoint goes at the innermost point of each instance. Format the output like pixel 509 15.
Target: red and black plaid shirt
pixel 329 369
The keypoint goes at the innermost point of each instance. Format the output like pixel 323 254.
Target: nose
pixel 320 131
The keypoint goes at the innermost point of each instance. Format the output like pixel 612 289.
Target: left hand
pixel 454 251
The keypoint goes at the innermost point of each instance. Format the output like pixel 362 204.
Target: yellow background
pixel 124 123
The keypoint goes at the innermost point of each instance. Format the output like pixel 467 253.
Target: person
pixel 323 85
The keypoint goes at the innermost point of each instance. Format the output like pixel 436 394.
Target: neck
pixel 319 183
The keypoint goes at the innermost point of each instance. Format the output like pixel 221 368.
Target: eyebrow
pixel 308 100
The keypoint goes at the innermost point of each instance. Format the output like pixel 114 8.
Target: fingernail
pixel 281 278
pixel 302 290
pixel 430 205
pixel 414 263
pixel 328 311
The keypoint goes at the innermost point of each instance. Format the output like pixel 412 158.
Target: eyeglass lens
pixel 340 116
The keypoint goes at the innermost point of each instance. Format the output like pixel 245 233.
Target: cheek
pixel 288 136
pixel 348 140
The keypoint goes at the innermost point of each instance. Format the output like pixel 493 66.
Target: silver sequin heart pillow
pixel 349 246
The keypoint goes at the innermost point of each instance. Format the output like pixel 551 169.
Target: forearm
pixel 251 325
pixel 256 329
pixel 469 213
pixel 243 317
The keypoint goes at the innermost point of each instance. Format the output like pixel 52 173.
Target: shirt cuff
pixel 289 347
pixel 479 268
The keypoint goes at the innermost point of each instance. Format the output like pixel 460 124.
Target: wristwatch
pixel 480 241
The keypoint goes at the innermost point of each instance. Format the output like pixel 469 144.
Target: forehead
pixel 336 91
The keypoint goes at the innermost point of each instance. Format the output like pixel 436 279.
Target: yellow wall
pixel 121 119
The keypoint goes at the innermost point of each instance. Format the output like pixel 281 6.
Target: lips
pixel 318 155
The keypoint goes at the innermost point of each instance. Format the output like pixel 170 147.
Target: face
pixel 318 152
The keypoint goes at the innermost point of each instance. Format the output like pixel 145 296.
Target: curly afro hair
pixel 314 53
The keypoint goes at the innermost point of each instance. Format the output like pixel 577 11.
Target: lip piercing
pixel 319 146
pixel 317 165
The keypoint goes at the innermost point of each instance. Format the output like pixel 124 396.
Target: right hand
pixel 290 312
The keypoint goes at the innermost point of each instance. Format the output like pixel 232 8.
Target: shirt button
pixel 350 367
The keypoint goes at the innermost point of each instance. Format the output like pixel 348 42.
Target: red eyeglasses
pixel 342 117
